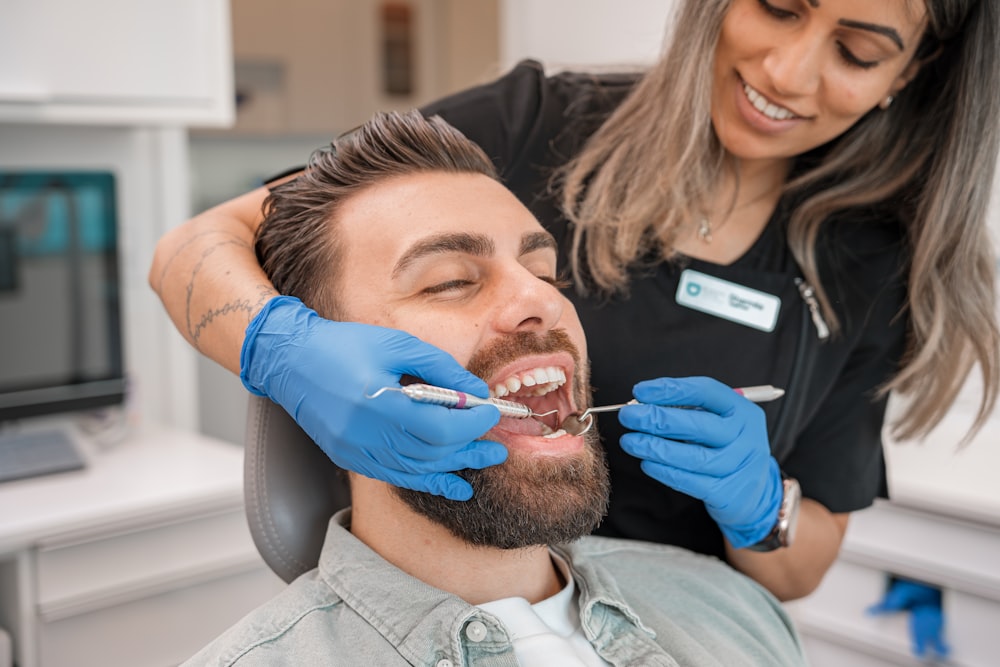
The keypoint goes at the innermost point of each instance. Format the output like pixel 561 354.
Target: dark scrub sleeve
pixel 530 124
pixel 500 116
pixel 838 453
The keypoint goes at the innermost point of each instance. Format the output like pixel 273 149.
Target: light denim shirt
pixel 640 604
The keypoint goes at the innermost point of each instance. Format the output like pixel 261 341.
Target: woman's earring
pixel 884 104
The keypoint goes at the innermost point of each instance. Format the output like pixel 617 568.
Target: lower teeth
pixel 555 434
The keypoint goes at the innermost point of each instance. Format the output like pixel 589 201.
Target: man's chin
pixel 531 499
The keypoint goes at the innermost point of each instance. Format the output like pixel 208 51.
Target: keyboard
pixel 37 453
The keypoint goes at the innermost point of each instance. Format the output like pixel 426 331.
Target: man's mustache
pixel 486 362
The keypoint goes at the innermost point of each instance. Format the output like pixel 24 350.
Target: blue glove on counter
pixel 926 617
pixel 320 371
pixel 719 453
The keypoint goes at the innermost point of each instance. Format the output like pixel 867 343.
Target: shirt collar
pixel 599 591
pixel 431 620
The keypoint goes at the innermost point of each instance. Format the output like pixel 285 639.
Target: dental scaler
pixel 450 398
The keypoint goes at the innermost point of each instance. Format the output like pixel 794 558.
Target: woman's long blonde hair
pixel 932 155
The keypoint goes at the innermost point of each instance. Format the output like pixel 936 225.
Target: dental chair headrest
pixel 291 490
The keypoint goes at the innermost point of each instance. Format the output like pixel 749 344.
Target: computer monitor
pixel 60 311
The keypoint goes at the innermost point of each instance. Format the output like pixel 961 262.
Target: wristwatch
pixel 788 517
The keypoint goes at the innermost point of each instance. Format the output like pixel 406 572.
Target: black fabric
pixel 826 430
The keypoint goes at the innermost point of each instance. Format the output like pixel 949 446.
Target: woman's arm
pixel 795 571
pixel 208 278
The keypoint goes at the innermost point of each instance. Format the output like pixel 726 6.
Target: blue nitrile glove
pixel 927 632
pixel 719 453
pixel 923 602
pixel 321 371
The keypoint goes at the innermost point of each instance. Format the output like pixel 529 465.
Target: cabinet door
pixel 116 61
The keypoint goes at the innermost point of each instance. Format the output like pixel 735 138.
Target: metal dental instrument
pixel 579 423
pixel 576 423
pixel 449 398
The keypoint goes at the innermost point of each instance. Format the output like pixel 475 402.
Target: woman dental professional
pixel 795 194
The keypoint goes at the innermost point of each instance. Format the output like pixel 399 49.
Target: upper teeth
pixel 760 103
pixel 541 380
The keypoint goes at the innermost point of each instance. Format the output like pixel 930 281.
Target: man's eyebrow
pixel 537 241
pixel 872 27
pixel 469 244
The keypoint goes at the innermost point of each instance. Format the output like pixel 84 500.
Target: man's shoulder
pixel 696 604
pixel 269 634
pixel 611 551
pixel 646 569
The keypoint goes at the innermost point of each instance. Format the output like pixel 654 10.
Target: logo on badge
pixel 693 288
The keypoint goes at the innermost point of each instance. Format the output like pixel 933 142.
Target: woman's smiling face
pixel 791 75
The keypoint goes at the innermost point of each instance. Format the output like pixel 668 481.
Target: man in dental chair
pixel 402 224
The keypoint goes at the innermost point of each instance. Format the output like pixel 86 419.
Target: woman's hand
pixel 321 371
pixel 718 453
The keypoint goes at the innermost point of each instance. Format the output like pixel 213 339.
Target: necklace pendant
pixel 705 230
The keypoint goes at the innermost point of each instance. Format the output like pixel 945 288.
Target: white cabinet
pixel 943 528
pixel 116 62
pixel 139 560
pixel 959 556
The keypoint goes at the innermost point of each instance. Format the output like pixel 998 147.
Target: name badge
pixel 736 303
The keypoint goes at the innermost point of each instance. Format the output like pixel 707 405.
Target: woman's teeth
pixel 761 104
pixel 541 380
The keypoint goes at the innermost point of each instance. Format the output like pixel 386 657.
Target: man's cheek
pixel 458 342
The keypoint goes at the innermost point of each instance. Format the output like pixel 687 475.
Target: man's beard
pixel 526 501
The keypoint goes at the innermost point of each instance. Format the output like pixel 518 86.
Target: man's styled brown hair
pixel 297 243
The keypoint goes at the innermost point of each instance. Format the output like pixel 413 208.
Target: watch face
pixel 790 511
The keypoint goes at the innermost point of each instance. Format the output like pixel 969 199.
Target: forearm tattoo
pixel 249 306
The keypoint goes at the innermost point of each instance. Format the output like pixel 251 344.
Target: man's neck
pixel 429 552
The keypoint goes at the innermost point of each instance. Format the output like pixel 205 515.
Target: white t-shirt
pixel 547 633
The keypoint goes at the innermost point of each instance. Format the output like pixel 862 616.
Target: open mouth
pixel 543 389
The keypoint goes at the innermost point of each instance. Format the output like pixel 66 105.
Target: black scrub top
pixel 826 430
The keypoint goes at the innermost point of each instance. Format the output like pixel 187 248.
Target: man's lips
pixel 530 435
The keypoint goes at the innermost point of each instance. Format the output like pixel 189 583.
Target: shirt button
pixel 475 631
pixel 444 662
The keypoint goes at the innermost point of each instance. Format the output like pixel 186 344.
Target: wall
pixel 571 33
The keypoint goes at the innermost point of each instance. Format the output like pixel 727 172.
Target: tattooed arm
pixel 208 278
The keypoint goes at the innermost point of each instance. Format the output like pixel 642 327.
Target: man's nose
pixel 528 303
pixel 794 66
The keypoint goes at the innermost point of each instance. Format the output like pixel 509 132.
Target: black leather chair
pixel 291 490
